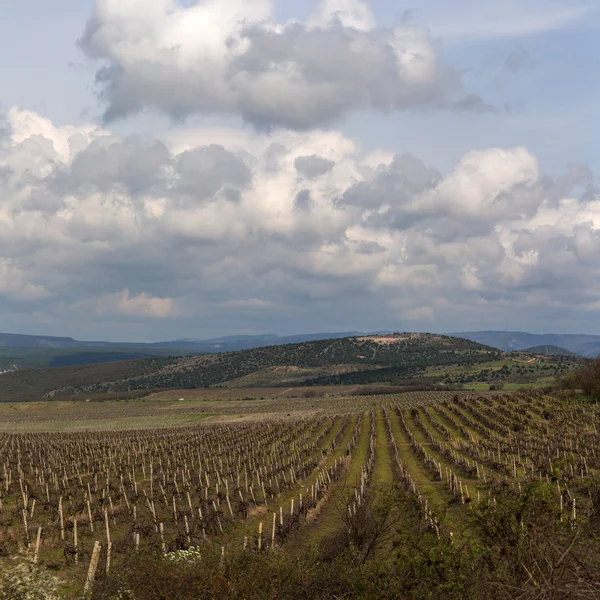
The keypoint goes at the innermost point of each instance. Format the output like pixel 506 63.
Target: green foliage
pixel 514 546
pixel 38 384
pixel 549 350
pixel 421 566
pixel 408 355
pixel 586 379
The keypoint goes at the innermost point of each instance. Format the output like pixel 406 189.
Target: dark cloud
pixel 134 163
pixel 204 171
pixel 396 185
pixel 313 166
pixel 302 201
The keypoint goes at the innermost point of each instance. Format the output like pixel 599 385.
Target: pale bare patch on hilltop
pixel 394 338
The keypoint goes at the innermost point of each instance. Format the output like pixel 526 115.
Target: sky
pixel 188 169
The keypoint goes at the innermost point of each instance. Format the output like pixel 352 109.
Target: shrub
pixel 190 555
pixel 586 379
pixel 26 582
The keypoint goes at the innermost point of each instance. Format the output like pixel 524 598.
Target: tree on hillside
pixel 586 379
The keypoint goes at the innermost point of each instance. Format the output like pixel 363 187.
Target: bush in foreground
pixel 513 547
pixel 24 581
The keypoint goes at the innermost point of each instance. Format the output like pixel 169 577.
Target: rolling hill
pixel 18 351
pixel 549 350
pixel 232 343
pixel 21 357
pixel 17 340
pixel 394 354
pixel 584 345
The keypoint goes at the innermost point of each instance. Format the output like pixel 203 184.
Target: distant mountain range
pixel 549 351
pixel 584 345
pixel 17 340
pixel 219 344
pixel 19 351
pixel 37 351
pixel 232 343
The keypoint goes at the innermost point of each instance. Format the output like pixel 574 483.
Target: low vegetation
pixel 17 357
pixel 585 380
pixel 420 495
pixel 407 361
pixel 402 354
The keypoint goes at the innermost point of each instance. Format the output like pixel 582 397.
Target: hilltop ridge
pixel 508 341
pixel 402 353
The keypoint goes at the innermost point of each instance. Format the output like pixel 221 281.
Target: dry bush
pixel 586 379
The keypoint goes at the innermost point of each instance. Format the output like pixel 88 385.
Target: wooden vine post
pixel 93 567
pixel 37 545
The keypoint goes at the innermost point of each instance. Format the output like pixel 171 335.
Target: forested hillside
pixel 404 353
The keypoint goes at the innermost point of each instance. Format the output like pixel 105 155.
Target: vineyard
pixel 350 470
pixel 80 504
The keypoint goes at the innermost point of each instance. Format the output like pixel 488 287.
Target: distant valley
pixel 583 345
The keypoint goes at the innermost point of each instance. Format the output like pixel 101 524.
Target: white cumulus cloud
pixel 140 305
pixel 204 227
pixel 233 57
